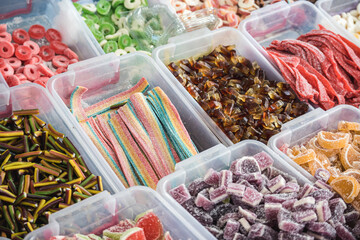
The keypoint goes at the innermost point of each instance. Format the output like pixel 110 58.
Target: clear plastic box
pixel 58 14
pixel 199 43
pixel 308 126
pixel 108 75
pixel 218 158
pixel 285 21
pixel 107 210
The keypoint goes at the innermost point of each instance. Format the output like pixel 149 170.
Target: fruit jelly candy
pixel 323 211
pixel 280 197
pixel 322 194
pixel 264 160
pixel 337 205
pixel 214 230
pixel 250 216
pixel 290 187
pixel 197 186
pixel 252 197
pixel 305 216
pixel 244 226
pixel 246 165
pixel 117 230
pixel 276 184
pixel 356 229
pixel 322 228
pixel 225 177
pixel 180 193
pixel 239 236
pixel 203 217
pixel 235 189
pixel 293 236
pixel 287 223
pixel 264 190
pixel 223 219
pixel 304 203
pixel 212 177
pixel 288 204
pixel 231 227
pixel 261 215
pixel 322 184
pixel 315 236
pixel 235 200
pixel 272 210
pixel 204 202
pixel 344 233
pixel 218 194
pixel 306 190
pixel 244 182
pixel 274 172
pixel 261 231
pixel 254 179
pixel 352 216
pixel 322 174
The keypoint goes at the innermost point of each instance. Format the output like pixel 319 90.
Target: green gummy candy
pixel 97 34
pixel 107 28
pixel 78 7
pixel 121 11
pixel 124 41
pixel 89 8
pixel 90 23
pixel 110 46
pixel 93 17
pixel 116 3
pixel 154 24
pixel 144 3
pixel 103 7
pixel 137 34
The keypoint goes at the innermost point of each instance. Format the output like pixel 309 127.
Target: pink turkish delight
pixel 264 160
pixel 180 193
pixel 252 197
pixel 235 189
pixel 218 194
pixel 212 177
pixel 276 184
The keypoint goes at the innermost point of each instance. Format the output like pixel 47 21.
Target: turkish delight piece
pixel 323 185
pixel 264 160
pixel 245 226
pixel 322 174
pixel 290 187
pixel 293 236
pixel 261 231
pixel 197 186
pixel 235 189
pixel 180 193
pixel 250 216
pixel 356 229
pixel 276 172
pixel 287 223
pixel 244 182
pixel 304 203
pixel 323 211
pixel 288 204
pixel 253 178
pixel 218 194
pixel 222 209
pixel 272 210
pixel 231 227
pixel 239 236
pixel 202 201
pixel 245 165
pixel 322 228
pixel 279 198
pixel 306 190
pixel 337 205
pixel 276 184
pixel 252 197
pixel 223 219
pixel 214 230
pixel 322 194
pixel 225 177
pixel 203 217
pixel 351 216
pixel 212 178
pixel 264 190
pixel 344 233
pixel 305 216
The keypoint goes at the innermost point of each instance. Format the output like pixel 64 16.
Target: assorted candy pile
pixel 321 66
pixel 335 154
pixel 254 200
pixel 147 226
pixel 141 137
pixel 236 94
pixel 34 55
pixel 41 173
pixel 350 21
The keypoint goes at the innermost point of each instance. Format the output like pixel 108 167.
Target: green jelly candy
pixel 137 24
pixel 110 46
pixel 103 7
pixel 89 8
pixel 107 28
pixel 116 3
pixel 137 34
pixel 93 17
pixel 78 7
pixel 90 23
pixel 121 11
pixel 124 41
pixel 97 34
pixel 144 3
pixel 154 24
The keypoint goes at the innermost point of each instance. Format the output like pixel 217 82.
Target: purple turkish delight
pixel 293 236
pixel 261 231
pixel 276 184
pixel 202 201
pixel 322 174
pixel 289 204
pixel 197 186
pixel 203 217
pixel 252 197
pixel 356 229
pixel 212 178
pixel 287 223
pixel 214 230
pixel 290 187
pixel 322 228
pixel 235 189
pixel 232 227
pixel 250 216
pixel 279 198
pixel 304 203
pixel 344 233
pixel 351 216
pixel 244 226
pixel 305 216
pixel 218 194
pixel 245 165
pixel 321 194
pixel 239 236
pixel 306 190
pixel 323 211
pixel 272 210
pixel 264 160
pixel 223 219
pixel 222 209
pixel 225 177
pixel 323 185
pixel 180 193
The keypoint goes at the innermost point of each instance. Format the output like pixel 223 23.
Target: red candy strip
pixel 46 53
pixel 33 46
pixel 53 35
pixel 13 62
pixel 60 61
pixel 6 49
pixel 37 31
pixel 23 53
pixel 5 36
pixel 31 72
pixel 20 36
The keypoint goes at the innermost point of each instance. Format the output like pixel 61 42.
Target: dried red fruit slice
pixel 151 224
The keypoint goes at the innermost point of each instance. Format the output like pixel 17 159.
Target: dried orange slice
pixel 352 172
pixel 348 156
pixel 305 156
pixel 356 203
pixel 347 186
pixel 324 160
pixel 335 172
pixel 348 126
pixel 314 165
pixel 313 144
pixel 332 140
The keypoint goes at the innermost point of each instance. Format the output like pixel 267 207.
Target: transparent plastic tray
pixel 308 126
pixel 218 158
pixel 198 43
pixel 94 214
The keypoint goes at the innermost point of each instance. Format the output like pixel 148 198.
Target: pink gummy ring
pixel 45 70
pixel 46 53
pixel 31 72
pixel 37 31
pixel 73 61
pixel 33 46
pixel 60 70
pixel 20 36
pixel 21 76
pixel 70 54
pixel 35 59
pixel 12 80
pixel 24 81
pixel 2 62
pixel 59 47
pixel 5 36
pixel 40 83
pixel 7 70
pixel 53 35
pixel 60 61
pixel 6 49
pixel 20 70
pixel 3 28
pixel 23 52
pixel 13 62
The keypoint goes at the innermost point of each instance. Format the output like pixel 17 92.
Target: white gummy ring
pixel 132 4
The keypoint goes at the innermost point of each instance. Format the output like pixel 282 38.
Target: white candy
pixel 130 49
pixel 350 20
pixel 103 42
pixel 192 2
pixel 120 52
pixel 132 5
pixel 358 8
pixel 354 13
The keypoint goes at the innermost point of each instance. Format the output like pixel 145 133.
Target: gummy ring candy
pixel 89 8
pixel 92 17
pixel 20 76
pixel 20 36
pixel 305 156
pixel 73 61
pixel 120 11
pixel 60 70
pixel 6 49
pixel 46 53
pixel 116 3
pixel 97 34
pixel 14 62
pixel 103 7
pixel 348 126
pixel 20 70
pixel 7 70
pixel 332 140
pixel 45 70
pixel 59 47
pixel 132 4
pixel 36 31
pixel 31 72
pixel 33 46
pixel 2 62
pixel 180 6
pixel 130 49
pixel 124 41
pixel 53 35
pixel 120 52
pixel 348 156
pixel 23 53
pixel 12 80
pixel 110 46
pixel 347 186
pixel 60 61
pixel 3 28
pixel 107 28
pixel 40 83
pixel 5 36
pixel 35 59
pixel 90 23
pixel 70 54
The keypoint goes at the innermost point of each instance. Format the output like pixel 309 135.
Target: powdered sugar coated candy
pixel 214 230
pixel 322 228
pixel 231 228
pixel 322 194
pixel 304 203
pixel 197 186
pixel 204 202
pixel 356 229
pixel 290 187
pixel 272 210
pixel 322 184
pixel 252 197
pixel 279 198
pixel 293 236
pixel 276 184
pixel 288 204
pixel 287 223
pixel 239 236
pixel 212 177
pixel 322 174
pixel 323 211
pixel 247 165
pixel 225 177
pixel 305 216
pixel 244 226
pixel 351 217
pixel 224 219
pixel 261 231
pixel 264 160
pixel 117 230
pixel 151 225
pixel 306 190
pixel 235 189
pixel 344 233
pixel 337 205
pixel 248 215
pixel 180 193
pixel 218 194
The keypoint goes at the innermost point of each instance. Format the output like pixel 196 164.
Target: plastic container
pixel 334 7
pixel 218 158
pixel 58 14
pixel 308 126
pixel 285 21
pixel 108 75
pixel 91 214
pixel 199 43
